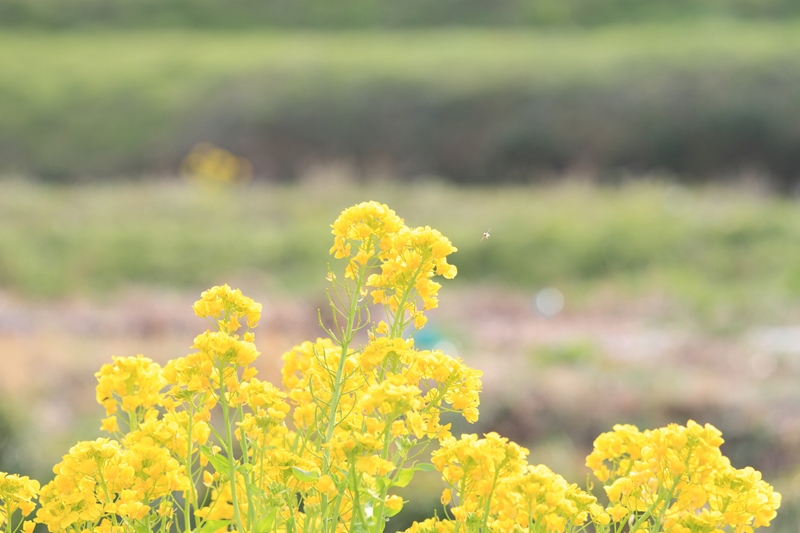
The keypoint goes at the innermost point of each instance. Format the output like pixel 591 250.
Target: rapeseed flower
pixel 679 473
pixel 324 452
pixel 17 493
pixel 130 384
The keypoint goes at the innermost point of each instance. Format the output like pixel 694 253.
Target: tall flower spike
pixel 409 259
pixel 228 306
pixel 367 226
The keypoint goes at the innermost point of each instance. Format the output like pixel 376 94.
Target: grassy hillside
pixel 697 99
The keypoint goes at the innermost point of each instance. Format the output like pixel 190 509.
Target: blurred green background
pixel 636 162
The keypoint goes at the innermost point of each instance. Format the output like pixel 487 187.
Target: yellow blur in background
pixel 210 166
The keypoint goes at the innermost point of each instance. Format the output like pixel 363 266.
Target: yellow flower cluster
pixel 539 499
pixel 366 225
pixel 131 384
pixel 472 468
pixel 387 380
pixel 171 430
pixel 223 357
pixel 100 484
pixel 227 307
pixel 407 258
pixel 387 391
pixel 678 476
pixel 492 488
pixel 410 261
pixel 206 446
pixel 432 525
pixel 209 165
pixel 109 484
pixel 17 493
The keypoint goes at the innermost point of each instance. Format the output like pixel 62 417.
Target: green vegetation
pixel 574 353
pixel 698 99
pixel 721 255
pixel 370 13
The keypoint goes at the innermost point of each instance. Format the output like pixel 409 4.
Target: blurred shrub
pixel 368 13
pixel 698 101
pixel 698 124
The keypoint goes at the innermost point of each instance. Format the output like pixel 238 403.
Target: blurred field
pixel 723 257
pixel 703 99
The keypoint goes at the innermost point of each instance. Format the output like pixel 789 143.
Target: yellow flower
pixel 17 492
pixel 684 466
pixel 618 512
pixel 432 525
pixel 130 383
pixel 460 514
pixel 227 306
pixel 374 465
pixel 110 424
pixel 367 223
pixel 221 346
pixel 326 485
pixel 394 503
pixel 409 258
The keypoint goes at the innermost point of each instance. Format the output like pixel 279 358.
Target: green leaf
pixel 265 524
pixel 304 475
pixel 404 477
pixel 219 462
pixel 213 525
pixel 254 489
pixel 383 483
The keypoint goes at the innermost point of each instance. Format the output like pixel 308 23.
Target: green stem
pixel 229 448
pixel 398 318
pixel 531 523
pixel 491 492
pixel 246 460
pixel 666 499
pixel 379 521
pixel 336 508
pixel 337 385
pixel 462 495
pixel 356 501
pixel 192 499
